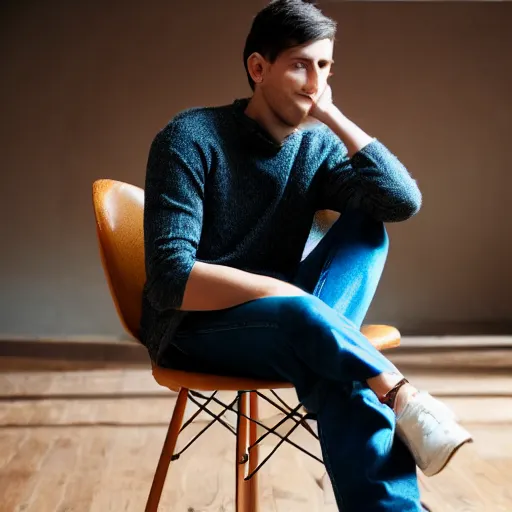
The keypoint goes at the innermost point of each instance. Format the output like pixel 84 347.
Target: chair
pixel 118 209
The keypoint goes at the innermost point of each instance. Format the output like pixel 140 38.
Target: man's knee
pixel 306 312
pixel 356 225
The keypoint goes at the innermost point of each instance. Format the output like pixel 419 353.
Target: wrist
pixel 334 118
pixel 352 136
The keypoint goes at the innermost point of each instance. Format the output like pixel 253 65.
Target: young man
pixel 231 193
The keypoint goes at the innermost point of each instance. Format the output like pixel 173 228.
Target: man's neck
pixel 259 111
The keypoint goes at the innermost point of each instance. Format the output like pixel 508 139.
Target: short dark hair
pixel 284 24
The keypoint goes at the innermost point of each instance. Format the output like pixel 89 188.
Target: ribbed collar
pixel 255 130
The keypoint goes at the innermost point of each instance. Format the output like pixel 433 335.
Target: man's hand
pixel 323 108
pixel 326 112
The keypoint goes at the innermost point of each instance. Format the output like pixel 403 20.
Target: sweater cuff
pixel 370 149
pixel 167 291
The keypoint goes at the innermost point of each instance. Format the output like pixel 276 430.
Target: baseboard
pixel 87 349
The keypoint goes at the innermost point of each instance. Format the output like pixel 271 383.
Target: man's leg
pixel 304 341
pixel 322 352
pixel 344 272
pixel 357 432
pixel 345 267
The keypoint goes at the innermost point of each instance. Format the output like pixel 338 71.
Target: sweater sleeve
pixel 173 215
pixel 373 180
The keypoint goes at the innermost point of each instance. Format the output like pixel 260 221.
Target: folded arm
pixel 360 170
pixel 373 179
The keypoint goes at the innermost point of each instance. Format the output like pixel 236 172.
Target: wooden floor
pixel 89 440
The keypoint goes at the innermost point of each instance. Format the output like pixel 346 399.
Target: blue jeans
pixel 314 341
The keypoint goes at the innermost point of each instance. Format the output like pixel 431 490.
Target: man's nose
pixel 311 86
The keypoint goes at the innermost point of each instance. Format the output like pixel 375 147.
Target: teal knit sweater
pixel 220 190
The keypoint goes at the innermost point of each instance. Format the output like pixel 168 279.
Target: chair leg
pixel 167 452
pixel 254 458
pixel 242 489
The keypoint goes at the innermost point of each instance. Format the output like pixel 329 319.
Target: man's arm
pixel 351 135
pixel 367 173
pixel 211 287
pixel 173 219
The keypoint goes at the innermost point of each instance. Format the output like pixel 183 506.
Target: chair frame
pixel 246 406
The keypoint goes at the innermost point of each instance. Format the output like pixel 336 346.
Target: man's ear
pixel 256 65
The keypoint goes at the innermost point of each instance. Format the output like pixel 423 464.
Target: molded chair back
pixel 119 210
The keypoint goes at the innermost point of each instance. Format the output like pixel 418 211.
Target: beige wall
pixel 84 88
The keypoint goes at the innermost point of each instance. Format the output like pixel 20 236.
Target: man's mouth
pixel 305 102
pixel 308 98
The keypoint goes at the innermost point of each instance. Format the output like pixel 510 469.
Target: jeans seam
pixel 323 276
pixel 224 328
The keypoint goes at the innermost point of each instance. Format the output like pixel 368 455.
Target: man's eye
pixel 300 65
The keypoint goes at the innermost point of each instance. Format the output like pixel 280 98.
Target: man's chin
pixel 298 118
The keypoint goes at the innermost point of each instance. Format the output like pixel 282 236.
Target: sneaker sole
pixel 432 472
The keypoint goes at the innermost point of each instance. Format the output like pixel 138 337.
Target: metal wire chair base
pixel 290 413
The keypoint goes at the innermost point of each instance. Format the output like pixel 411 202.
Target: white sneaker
pixel 430 431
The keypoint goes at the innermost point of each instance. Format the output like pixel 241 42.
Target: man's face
pixel 296 79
